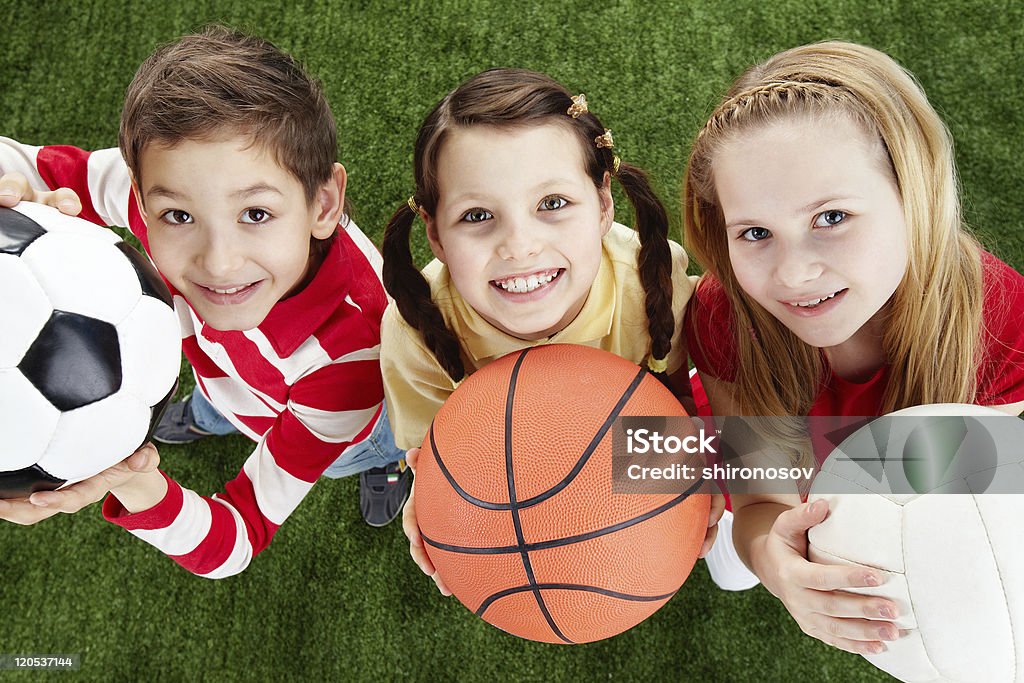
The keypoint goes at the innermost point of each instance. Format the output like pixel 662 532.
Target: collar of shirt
pixel 291 321
pixel 482 340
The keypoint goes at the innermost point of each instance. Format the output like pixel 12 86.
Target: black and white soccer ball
pixel 89 353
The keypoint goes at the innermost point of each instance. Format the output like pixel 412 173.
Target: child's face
pixel 229 227
pixel 815 225
pixel 519 224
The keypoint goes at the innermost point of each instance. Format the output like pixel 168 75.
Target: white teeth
pixel 520 285
pixel 229 291
pixel 813 302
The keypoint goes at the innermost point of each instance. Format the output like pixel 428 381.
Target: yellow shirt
pixel 612 319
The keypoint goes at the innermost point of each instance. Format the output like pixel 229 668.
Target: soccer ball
pixel 90 351
pixel 951 554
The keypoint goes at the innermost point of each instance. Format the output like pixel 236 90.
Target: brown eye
pixel 176 217
pixel 476 215
pixel 553 203
pixel 255 216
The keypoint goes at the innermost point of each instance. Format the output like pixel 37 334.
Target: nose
pixel 796 265
pixel 220 254
pixel 518 240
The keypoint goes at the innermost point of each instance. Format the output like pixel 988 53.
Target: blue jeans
pixel 376 450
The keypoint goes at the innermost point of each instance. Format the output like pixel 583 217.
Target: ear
pixel 432 237
pixel 330 203
pixel 604 195
pixel 138 198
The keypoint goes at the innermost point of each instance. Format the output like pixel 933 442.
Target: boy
pixel 232 188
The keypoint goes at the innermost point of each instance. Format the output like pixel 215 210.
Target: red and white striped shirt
pixel 305 384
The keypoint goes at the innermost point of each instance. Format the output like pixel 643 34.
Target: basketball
pixel 515 502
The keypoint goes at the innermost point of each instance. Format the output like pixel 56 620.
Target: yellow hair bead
pixel 657 364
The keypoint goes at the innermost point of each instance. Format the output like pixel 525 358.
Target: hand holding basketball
pixel 412 531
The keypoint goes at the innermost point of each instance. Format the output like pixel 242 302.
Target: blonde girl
pixel 821 198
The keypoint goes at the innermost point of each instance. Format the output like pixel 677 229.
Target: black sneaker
pixel 383 491
pixel 177 426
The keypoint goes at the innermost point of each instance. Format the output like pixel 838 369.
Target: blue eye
pixel 755 234
pixel 255 216
pixel 828 219
pixel 176 217
pixel 477 215
pixel 553 203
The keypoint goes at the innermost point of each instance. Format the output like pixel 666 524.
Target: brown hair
pixel 507 98
pixel 933 325
pixel 221 80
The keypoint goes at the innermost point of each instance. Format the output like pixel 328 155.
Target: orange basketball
pixel 514 498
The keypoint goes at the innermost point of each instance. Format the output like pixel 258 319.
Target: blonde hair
pixel 933 320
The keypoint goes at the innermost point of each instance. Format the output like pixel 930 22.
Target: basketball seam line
pixel 541 497
pixel 494 597
pixel 524 554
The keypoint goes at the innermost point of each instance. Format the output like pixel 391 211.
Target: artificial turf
pixel 332 598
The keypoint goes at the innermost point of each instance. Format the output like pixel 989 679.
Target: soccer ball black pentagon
pixel 89 352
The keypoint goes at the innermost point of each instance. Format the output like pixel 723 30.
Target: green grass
pixel 332 598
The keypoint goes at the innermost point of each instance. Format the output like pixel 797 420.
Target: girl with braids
pixel 821 199
pixel 513 181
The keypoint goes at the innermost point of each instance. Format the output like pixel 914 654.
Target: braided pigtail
pixel 654 261
pixel 411 293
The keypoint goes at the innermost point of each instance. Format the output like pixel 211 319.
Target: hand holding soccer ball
pixel 125 480
pixel 90 359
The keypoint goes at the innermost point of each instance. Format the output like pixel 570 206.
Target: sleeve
pixel 415 384
pixel 709 326
pixel 217 536
pixel 100 178
pixel 1001 373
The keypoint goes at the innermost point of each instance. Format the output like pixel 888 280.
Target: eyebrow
pixel 258 188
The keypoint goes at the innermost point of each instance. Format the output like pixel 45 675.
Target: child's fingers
pixel 859 630
pixel 63 199
pixel 412 456
pixel 409 525
pixel 419 556
pixel 851 605
pixel 709 540
pixel 146 459
pixel 13 188
pixel 441 586
pixel 23 512
pixel 857 647
pixel 792 525
pixel 831 577
pixel 717 509
pixel 72 498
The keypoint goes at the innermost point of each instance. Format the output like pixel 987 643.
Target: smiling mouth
pixel 229 290
pixel 529 283
pixel 811 303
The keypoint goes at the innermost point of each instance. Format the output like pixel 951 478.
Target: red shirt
pixel 304 385
pixel 1000 373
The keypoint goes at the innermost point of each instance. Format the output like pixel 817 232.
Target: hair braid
pixel 411 293
pixel 655 258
